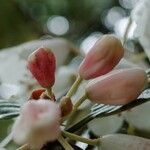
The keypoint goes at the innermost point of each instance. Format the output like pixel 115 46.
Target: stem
pixel 131 130
pixel 127 30
pixel 64 143
pixel 80 101
pixel 74 87
pixel 81 139
pixel 50 93
pixel 77 104
pixel 24 147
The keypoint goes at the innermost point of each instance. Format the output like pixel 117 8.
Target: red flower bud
pixel 102 58
pixel 117 87
pixel 42 64
pixel 36 94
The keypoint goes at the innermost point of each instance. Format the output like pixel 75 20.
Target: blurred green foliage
pixel 14 27
pixel 23 20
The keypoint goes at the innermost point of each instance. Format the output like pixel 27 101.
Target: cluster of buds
pixel 40 117
pixel 118 87
pixel 110 86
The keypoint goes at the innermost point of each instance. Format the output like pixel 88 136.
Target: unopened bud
pixel 41 64
pixel 102 58
pixel 36 94
pixel 117 87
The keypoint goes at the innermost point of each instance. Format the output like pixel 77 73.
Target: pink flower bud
pixel 102 58
pixel 42 64
pixel 117 87
pixel 38 123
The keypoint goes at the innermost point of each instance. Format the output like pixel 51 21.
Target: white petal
pixel 106 125
pixel 139 117
pixel 124 142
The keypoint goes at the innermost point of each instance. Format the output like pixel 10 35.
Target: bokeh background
pixel 79 21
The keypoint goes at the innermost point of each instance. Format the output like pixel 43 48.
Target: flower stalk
pixel 64 143
pixel 80 101
pixel 77 104
pixel 50 94
pixel 24 147
pixel 74 87
pixel 81 139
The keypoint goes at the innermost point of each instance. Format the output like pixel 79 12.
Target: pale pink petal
pixel 38 123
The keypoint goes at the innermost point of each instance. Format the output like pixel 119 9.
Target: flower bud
pixel 66 106
pixel 102 58
pixel 42 64
pixel 117 87
pixel 38 123
pixel 36 94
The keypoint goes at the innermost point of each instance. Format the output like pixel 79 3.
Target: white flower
pixel 124 142
pixel 38 123
pixel 141 15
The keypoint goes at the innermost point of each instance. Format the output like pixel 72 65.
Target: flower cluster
pixel 141 15
pixel 41 116
pixel 116 87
